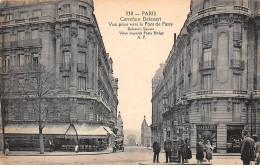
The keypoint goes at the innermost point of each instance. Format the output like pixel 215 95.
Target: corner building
pixel 62 35
pixel 211 77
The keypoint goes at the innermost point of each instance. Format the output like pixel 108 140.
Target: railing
pixel 26 67
pixel 207 10
pixel 237 36
pixel 73 16
pixel 239 64
pixel 82 42
pixel 82 68
pixel 217 93
pixel 204 65
pixel 65 41
pixel 65 67
pixel 240 8
pixel 25 21
pixel 26 43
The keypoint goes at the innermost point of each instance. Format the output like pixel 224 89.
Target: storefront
pixel 208 132
pixel 234 138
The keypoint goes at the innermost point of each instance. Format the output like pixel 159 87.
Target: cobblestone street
pixel 131 156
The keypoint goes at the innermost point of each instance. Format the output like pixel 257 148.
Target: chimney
pixel 174 38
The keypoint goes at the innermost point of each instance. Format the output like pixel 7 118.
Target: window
pixel 82 33
pixel 66 8
pixel 238 27
pixel 35 57
pixel 206 82
pixel 66 58
pixel 206 115
pixel 8 17
pixel 6 37
pixel 82 57
pixel 35 34
pixel 81 112
pixel 237 53
pixel 21 35
pixel 23 15
pixel 20 60
pixel 82 10
pixel 236 112
pixel 207 54
pixel 82 83
pixel 207 29
pixel 65 82
pixel 66 32
pixel 236 81
pixel 6 63
pixel 37 13
pixel 207 4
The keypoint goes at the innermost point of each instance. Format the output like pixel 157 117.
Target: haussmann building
pixel 62 35
pixel 209 86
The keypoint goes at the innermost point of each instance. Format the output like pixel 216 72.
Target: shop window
pixel 23 15
pixel 207 83
pixel 207 132
pixel 236 112
pixel 37 13
pixel 82 83
pixel 206 112
pixel 237 81
pixel 82 10
pixel 65 82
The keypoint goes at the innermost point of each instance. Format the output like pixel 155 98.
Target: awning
pixel 109 130
pixel 71 133
pixel 90 131
pixel 29 128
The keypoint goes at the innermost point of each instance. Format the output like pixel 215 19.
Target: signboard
pixel 235 127
pixel 206 127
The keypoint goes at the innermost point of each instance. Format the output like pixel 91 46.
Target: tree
pixel 37 87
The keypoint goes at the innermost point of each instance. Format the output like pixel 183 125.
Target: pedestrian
pixel 257 149
pixel 209 150
pixel 7 147
pixel 199 151
pixel 181 151
pixel 156 151
pixel 187 149
pixel 50 145
pixel 247 149
pixel 167 149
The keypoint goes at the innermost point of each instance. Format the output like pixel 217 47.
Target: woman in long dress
pixel 209 151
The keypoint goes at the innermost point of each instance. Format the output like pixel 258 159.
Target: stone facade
pixel 63 36
pixel 145 134
pixel 211 79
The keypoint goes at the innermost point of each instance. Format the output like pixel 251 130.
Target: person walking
pixel 187 149
pixel 156 151
pixel 257 149
pixel 199 151
pixel 181 151
pixel 168 149
pixel 209 150
pixel 247 150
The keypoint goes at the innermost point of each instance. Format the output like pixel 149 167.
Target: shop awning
pixel 29 128
pixel 71 133
pixel 109 130
pixel 90 131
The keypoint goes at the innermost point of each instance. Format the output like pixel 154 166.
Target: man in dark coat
pixel 199 151
pixel 181 151
pixel 167 148
pixel 247 150
pixel 156 151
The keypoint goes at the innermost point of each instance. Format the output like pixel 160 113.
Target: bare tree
pixel 38 87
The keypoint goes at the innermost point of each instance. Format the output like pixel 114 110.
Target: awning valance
pixel 90 131
pixel 33 128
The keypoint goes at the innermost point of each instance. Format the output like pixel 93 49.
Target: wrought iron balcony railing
pixel 237 64
pixel 206 65
pixel 22 43
pixel 82 68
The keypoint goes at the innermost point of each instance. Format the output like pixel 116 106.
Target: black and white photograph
pixel 130 82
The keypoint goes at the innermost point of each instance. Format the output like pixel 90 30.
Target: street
pixel 131 156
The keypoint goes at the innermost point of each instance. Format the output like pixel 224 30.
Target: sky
pixel 135 61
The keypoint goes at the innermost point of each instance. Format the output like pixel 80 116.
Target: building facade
pixel 145 134
pixel 210 86
pixel 63 36
pixel 120 127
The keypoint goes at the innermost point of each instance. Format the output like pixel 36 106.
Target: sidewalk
pixel 191 162
pixel 57 153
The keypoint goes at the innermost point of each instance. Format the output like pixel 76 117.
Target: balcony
pixel 82 68
pixel 73 16
pixel 206 65
pixel 26 43
pixel 82 42
pixel 207 10
pixel 65 67
pixel 6 45
pixel 202 94
pixel 26 67
pixel 237 36
pixel 65 41
pixel 237 64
